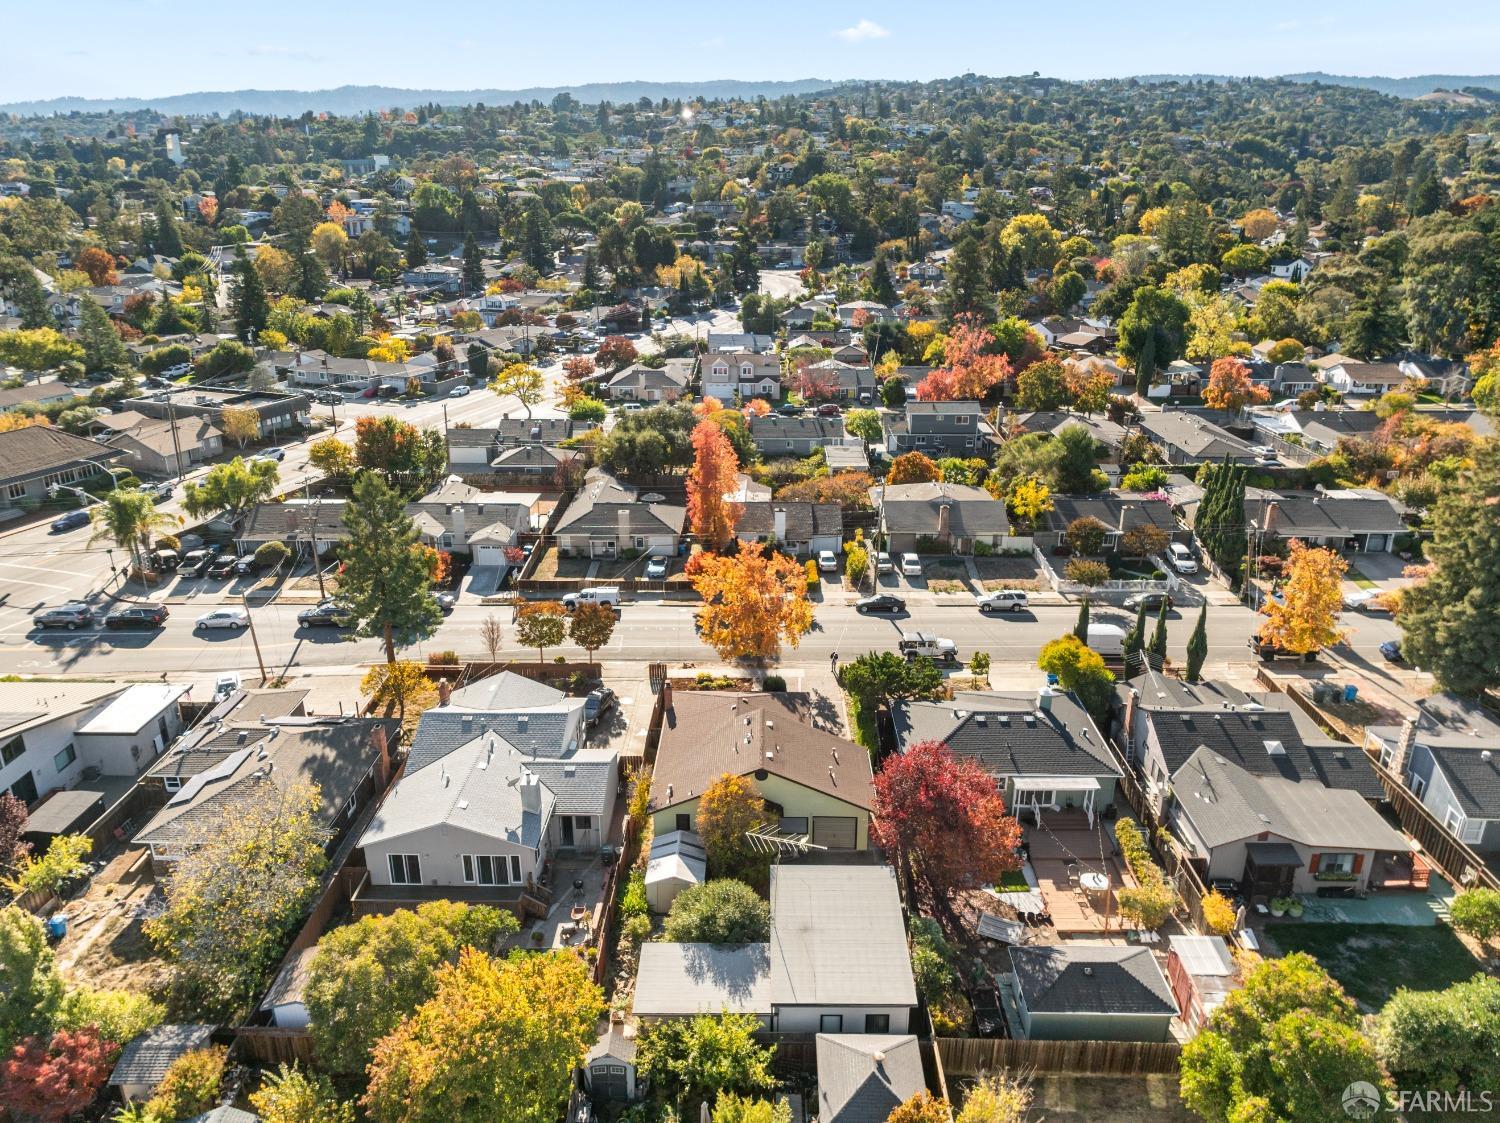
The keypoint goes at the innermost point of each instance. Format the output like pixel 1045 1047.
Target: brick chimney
pixel 1401 754
pixel 383 752
pixel 1127 733
pixel 666 696
pixel 444 692
pixel 945 521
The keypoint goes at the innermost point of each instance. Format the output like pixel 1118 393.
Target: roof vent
pixel 1031 720
pixel 1264 818
pixel 878 1056
pixel 1275 748
pixel 1187 719
pixel 1088 970
pixel 980 719
pixel 243 736
pixel 770 724
pixel 570 770
pixel 1485 754
pixel 463 805
pixel 521 722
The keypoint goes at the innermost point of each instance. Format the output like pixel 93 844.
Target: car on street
pixel 222 566
pixel 446 601
pixel 73 615
pixel 1181 558
pixel 1391 651
pixel 911 565
pixel 328 398
pixel 919 645
pixel 275 452
pixel 144 615
pixel 828 561
pixel 880 602
pixel 459 392
pixel 1152 601
pixel 883 563
pixel 829 409
pixel 656 569
pixel 325 614
pixel 70 519
pixel 789 409
pixel 232 618
pixel 597 704
pixel 160 493
pixel 1004 600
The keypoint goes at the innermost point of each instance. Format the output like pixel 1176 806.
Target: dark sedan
pixel 148 616
pixel 882 602
pixel 1391 649
pixel 1152 601
pixel 325 615
pixel 70 520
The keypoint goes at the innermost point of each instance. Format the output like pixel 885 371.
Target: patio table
pixel 1027 904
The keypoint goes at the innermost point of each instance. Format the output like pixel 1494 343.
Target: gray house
pixel 161 448
pixel 1187 438
pixel 798 528
pixel 608 518
pixel 641 383
pixel 863 1077
pixel 953 514
pixel 35 458
pixel 938 429
pixel 1448 758
pixel 776 435
pixel 1089 992
pixel 277 412
pixel 1359 519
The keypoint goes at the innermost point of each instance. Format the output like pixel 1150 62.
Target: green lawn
pixel 1013 881
pixel 1373 960
pixel 1360 579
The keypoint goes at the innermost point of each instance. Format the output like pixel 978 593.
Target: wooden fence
pixel 273 1045
pixel 969 1056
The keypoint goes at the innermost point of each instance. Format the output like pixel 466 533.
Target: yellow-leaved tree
pixel 751 602
pixel 1030 500
pixel 1307 617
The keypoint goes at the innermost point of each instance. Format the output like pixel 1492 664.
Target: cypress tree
pixel 416 250
pixel 1197 646
pixel 1159 637
pixel 1135 638
pixel 251 308
pixel 167 240
pixel 473 268
pixel 1145 365
pixel 1081 629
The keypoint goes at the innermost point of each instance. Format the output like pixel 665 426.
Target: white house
pixel 742 373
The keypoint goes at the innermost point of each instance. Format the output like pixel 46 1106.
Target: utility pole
pixel 250 619
pixel 176 444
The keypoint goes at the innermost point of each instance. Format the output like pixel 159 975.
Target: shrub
pixel 271 554
pixel 1150 905
pixel 1218 914
pixel 722 911
pixel 1476 912
pixel 773 684
pixel 1086 572
pixel 633 903
pixel 813 580
pixel 443 658
pixel 1085 535
pixel 191 1085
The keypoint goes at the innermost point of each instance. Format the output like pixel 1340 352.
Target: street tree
pixel 385 589
pixel 521 381
pixel 241 424
pixel 492 635
pixel 332 457
pixel 541 624
pixel 752 602
pixel 710 480
pixel 591 627
pixel 499 1039
pixel 128 517
pixel 945 819
pixel 367 977
pixel 231 489
pixel 1306 618
pixel 1197 646
pixel 239 887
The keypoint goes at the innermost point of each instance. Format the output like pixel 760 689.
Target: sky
pixel 147 48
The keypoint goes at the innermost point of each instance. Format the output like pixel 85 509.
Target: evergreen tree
pixel 1145 366
pixel 416 250
pixel 250 304
pixel 1135 637
pixel 964 288
pixel 312 278
pixel 882 287
pixel 386 588
pixel 102 347
pixel 19 286
pixel 537 238
pixel 591 278
pixel 1159 637
pixel 473 268
pixel 1197 646
pixel 167 240
pixel 1081 629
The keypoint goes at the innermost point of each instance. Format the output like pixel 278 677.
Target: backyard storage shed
pixel 677 862
pixel 1201 973
pixel 1085 992
pixel 144 1061
pixel 609 1070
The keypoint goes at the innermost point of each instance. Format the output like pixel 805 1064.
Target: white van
pixel 1107 639
pixel 603 594
pixel 1181 558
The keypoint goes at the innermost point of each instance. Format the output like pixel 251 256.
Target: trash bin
pixel 1351 692
pixel 1052 679
pixel 57 926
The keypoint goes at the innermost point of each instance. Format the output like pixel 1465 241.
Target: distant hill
pixel 352 100
pixel 1413 87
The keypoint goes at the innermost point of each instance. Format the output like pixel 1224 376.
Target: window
pixel 12 750
pixel 405 869
pixel 1453 819
pixel 1336 863
pixel 16 491
pixel 640 543
pixel 65 756
pixel 515 870
pixel 684 822
pixel 1473 830
pixel 171 783
pixel 877 1023
pixel 1418 786
pixel 583 822
pixel 961 420
pixel 831 1023
pixel 796 825
pixel 491 869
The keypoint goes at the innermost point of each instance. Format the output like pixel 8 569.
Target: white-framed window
pixel 16 491
pixel 171 783
pixel 1418 786
pixel 492 869
pixel 64 757
pixel 1473 830
pixel 406 869
pixel 1336 863
pixel 961 420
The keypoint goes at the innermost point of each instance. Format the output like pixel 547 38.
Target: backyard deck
pixel 1063 849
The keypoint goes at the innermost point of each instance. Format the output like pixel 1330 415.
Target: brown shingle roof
pixel 41 448
pixel 709 733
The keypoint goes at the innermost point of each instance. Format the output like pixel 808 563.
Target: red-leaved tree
pixel 98 265
pixel 815 384
pixel 47 1081
pixel 711 478
pixel 970 367
pixel 578 367
pixel 616 352
pixel 12 828
pixel 945 819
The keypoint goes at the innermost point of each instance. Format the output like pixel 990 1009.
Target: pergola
pixel 1042 793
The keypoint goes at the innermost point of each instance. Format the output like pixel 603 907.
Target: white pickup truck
pixel 601 594
pixel 915 645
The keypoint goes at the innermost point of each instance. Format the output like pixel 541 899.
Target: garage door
pixel 837 832
pixel 489 555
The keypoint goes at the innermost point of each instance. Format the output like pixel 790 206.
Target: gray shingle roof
pixel 1090 979
pixel 146 1059
pixel 1475 781
pixel 862 1077
pixel 1309 514
pixel 1009 736
pixel 914 508
pixel 532 731
pixel 507 690
pixel 803 520
pixel 602 499
pixel 1194 436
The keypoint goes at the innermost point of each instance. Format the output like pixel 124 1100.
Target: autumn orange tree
pixel 913 468
pixel 751 602
pixel 1230 387
pixel 728 808
pixel 971 367
pixel 98 264
pixel 711 478
pixel 1307 617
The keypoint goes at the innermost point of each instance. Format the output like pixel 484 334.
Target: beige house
pixel 817 784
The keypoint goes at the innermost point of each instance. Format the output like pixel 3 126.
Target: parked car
pixel 597 704
pixel 144 615
pixel 70 519
pixel 222 566
pixel 232 618
pixel 1152 601
pixel 446 601
pixel 917 645
pixel 880 602
pixel 828 561
pixel 73 615
pixel 1004 600
pixel 789 409
pixel 246 565
pixel 1391 650
pixel 656 569
pixel 911 565
pixel 326 614
pixel 1270 651
pixel 225 685
pixel 195 562
pixel 160 493
pixel 1181 558
pixel 275 452
pixel 829 409
pixel 328 398
pixel 883 563
pixel 600 594
pixel 459 392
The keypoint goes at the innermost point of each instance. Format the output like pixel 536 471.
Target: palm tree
pixel 128 517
